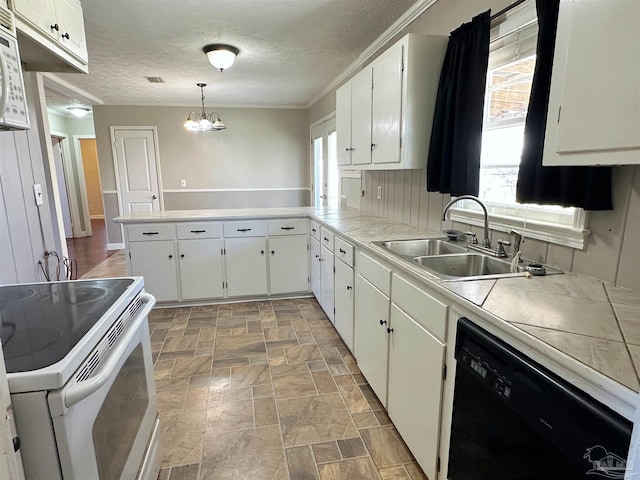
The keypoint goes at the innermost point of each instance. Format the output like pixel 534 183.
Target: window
pixel 510 73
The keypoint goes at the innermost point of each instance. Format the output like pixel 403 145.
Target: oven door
pixel 103 420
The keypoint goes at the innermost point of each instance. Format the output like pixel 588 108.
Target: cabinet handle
pixel 373 146
pixel 383 322
pixel 243 229
pixel 66 35
pixel 182 255
pixel 287 228
pixel 150 233
pixel 272 252
pixel 349 287
pixel 198 231
pixel 389 330
pixel 55 27
pixel 262 252
pixel 344 252
pixel 326 239
pixel 153 197
pixel 170 257
pixel 317 256
pixel 313 230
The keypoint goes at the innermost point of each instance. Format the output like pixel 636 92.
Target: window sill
pixel 547 232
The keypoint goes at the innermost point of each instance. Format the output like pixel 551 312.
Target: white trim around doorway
pixel 82 181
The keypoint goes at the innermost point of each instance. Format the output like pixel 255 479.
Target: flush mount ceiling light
pixel 79 112
pixel 203 122
pixel 221 56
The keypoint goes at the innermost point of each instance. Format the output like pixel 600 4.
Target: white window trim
pixel 573 237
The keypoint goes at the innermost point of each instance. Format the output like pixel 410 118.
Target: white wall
pixel 263 155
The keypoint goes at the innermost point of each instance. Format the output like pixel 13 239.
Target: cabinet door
pixel 386 107
pixel 315 268
pixel 594 103
pixel 288 264
pixel 344 302
pixel 40 14
pixel 415 399
pixel 372 320
pixel 71 23
pixel 200 268
pixel 246 263
pixel 327 282
pixel 343 124
pixel 361 118
pixel 156 262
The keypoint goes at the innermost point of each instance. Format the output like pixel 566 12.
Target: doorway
pixel 324 158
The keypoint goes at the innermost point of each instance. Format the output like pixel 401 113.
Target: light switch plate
pixel 37 191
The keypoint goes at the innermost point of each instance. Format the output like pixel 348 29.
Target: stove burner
pixel 13 295
pixel 28 342
pixel 76 296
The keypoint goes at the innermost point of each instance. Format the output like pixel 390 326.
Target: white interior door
pixel 62 187
pixel 136 159
pixel 324 156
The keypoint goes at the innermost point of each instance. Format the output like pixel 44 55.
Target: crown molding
pixel 409 16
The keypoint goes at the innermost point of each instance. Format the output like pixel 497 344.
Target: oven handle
pixel 82 390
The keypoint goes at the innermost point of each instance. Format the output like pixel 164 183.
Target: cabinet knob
pixel 373 145
pixel 182 255
pixel 273 252
pixel 261 252
pixel 389 330
pixel 55 27
pixel 154 197
pixel 65 35
pixel 349 287
pixel 383 322
pixel 170 257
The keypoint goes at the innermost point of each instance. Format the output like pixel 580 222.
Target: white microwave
pixel 14 113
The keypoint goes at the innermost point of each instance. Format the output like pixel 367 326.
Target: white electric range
pixel 80 374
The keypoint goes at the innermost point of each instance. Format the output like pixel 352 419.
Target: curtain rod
pixel 506 9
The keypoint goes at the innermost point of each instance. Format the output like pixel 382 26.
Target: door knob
pixel 154 197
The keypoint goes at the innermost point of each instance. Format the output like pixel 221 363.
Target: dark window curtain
pixel 585 187
pixel 456 138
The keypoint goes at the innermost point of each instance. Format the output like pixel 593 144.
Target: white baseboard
pixel 115 246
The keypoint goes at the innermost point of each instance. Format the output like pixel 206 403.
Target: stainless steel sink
pixel 421 247
pixel 465 265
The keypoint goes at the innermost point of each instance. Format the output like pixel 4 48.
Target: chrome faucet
pixel 486 242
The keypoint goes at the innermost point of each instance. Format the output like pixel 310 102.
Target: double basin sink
pixel 449 260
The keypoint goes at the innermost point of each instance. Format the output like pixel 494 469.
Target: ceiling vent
pixel 6 21
pixel 155 79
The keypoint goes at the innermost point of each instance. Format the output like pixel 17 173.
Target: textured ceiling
pixel 289 49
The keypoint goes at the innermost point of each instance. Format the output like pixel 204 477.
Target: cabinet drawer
pixel 152 231
pixel 199 230
pixel 428 312
pixel 375 273
pixel 315 230
pixel 250 228
pixel 343 251
pixel 326 238
pixel 295 226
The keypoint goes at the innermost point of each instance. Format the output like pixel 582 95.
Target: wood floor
pixel 90 251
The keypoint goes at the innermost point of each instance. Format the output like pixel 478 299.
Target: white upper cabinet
pixel 387 123
pixel 594 103
pixel 51 35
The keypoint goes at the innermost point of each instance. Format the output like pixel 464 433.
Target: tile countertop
pixel 586 319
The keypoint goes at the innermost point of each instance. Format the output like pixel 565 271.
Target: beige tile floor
pixel 264 390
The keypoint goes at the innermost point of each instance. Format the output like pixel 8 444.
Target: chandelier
pixel 203 122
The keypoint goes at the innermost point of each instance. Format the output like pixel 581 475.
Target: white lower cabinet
pixel 288 264
pixel 200 269
pixel 246 266
pixel 327 301
pixel 314 261
pixel 371 337
pixel 416 360
pixel 344 297
pixel 156 262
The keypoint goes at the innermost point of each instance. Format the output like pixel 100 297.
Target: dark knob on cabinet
pixel 349 287
pixel 182 255
pixel 65 35
pixel 262 252
pixel 383 322
pixel 170 257
pixel 273 252
pixel 389 330
pixel 55 27
pixel 16 443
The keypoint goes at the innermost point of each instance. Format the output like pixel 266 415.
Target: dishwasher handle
pixel 82 390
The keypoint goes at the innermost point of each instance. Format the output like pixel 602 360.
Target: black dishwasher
pixel 515 420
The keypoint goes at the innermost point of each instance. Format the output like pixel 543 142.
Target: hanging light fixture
pixel 203 122
pixel 220 55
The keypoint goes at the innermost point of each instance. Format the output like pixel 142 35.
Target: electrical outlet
pixel 37 191
pixel 183 182
pixel 379 192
